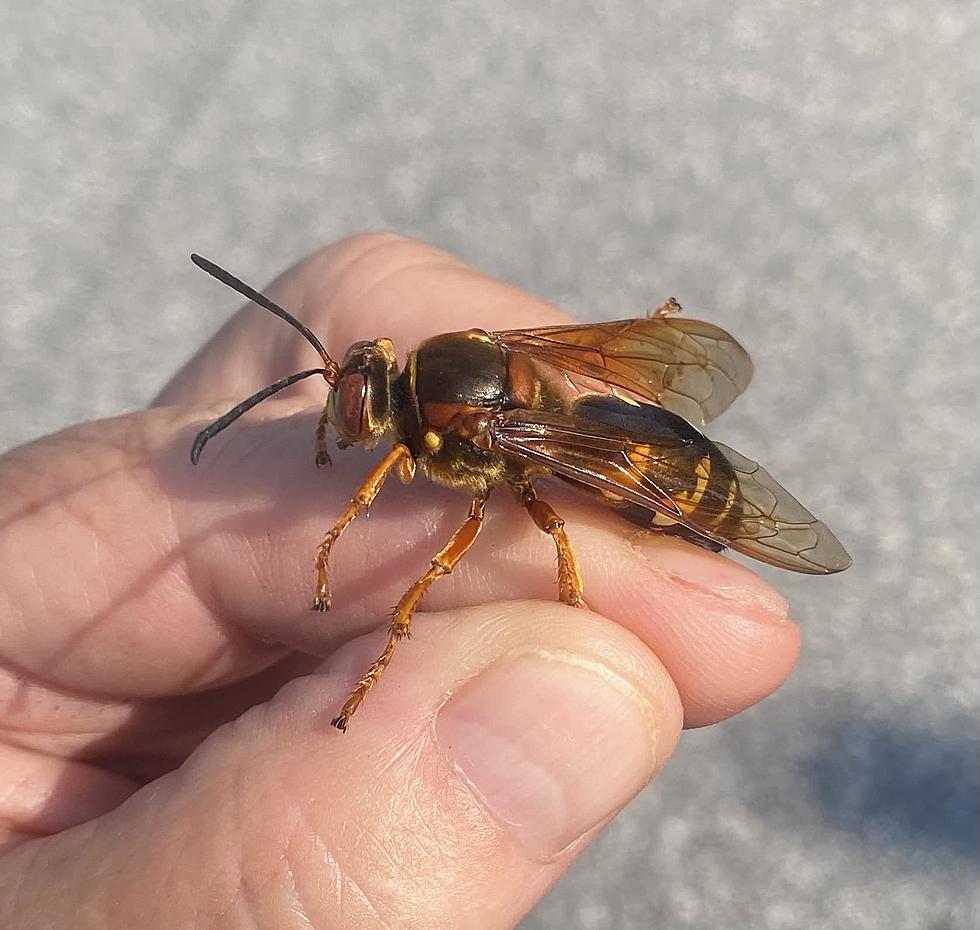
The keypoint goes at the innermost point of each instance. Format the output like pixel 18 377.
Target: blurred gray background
pixel 803 174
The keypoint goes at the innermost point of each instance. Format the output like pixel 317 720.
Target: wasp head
pixel 359 406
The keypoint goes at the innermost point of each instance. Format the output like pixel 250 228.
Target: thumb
pixel 489 754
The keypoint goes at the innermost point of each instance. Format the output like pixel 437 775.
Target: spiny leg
pixel 546 520
pixel 443 563
pixel 399 458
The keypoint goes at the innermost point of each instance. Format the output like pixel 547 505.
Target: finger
pixel 42 795
pixel 132 574
pixel 364 287
pixel 495 747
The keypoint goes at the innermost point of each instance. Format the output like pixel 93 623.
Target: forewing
pixel 690 367
pixel 583 452
pixel 704 486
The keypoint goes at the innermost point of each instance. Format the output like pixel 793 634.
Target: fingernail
pixel 554 744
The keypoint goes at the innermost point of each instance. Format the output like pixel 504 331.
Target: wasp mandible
pixel 614 409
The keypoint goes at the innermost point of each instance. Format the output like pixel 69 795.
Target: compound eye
pixel 351 402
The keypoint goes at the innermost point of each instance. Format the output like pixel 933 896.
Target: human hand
pixel 166 758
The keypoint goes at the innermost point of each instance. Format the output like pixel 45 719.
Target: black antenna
pixel 331 371
pixel 202 437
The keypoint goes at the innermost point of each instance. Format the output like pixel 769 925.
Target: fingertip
pixel 723 633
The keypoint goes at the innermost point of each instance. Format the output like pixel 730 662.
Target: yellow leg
pixel 398 458
pixel 546 520
pixel 447 559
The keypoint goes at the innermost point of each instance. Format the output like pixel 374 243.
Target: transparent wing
pixel 775 527
pixel 704 486
pixel 690 367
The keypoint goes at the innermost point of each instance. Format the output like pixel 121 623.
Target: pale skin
pixel 145 604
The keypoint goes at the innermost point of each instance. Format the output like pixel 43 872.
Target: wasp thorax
pixel 359 406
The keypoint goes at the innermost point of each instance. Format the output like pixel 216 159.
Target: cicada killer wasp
pixel 614 409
